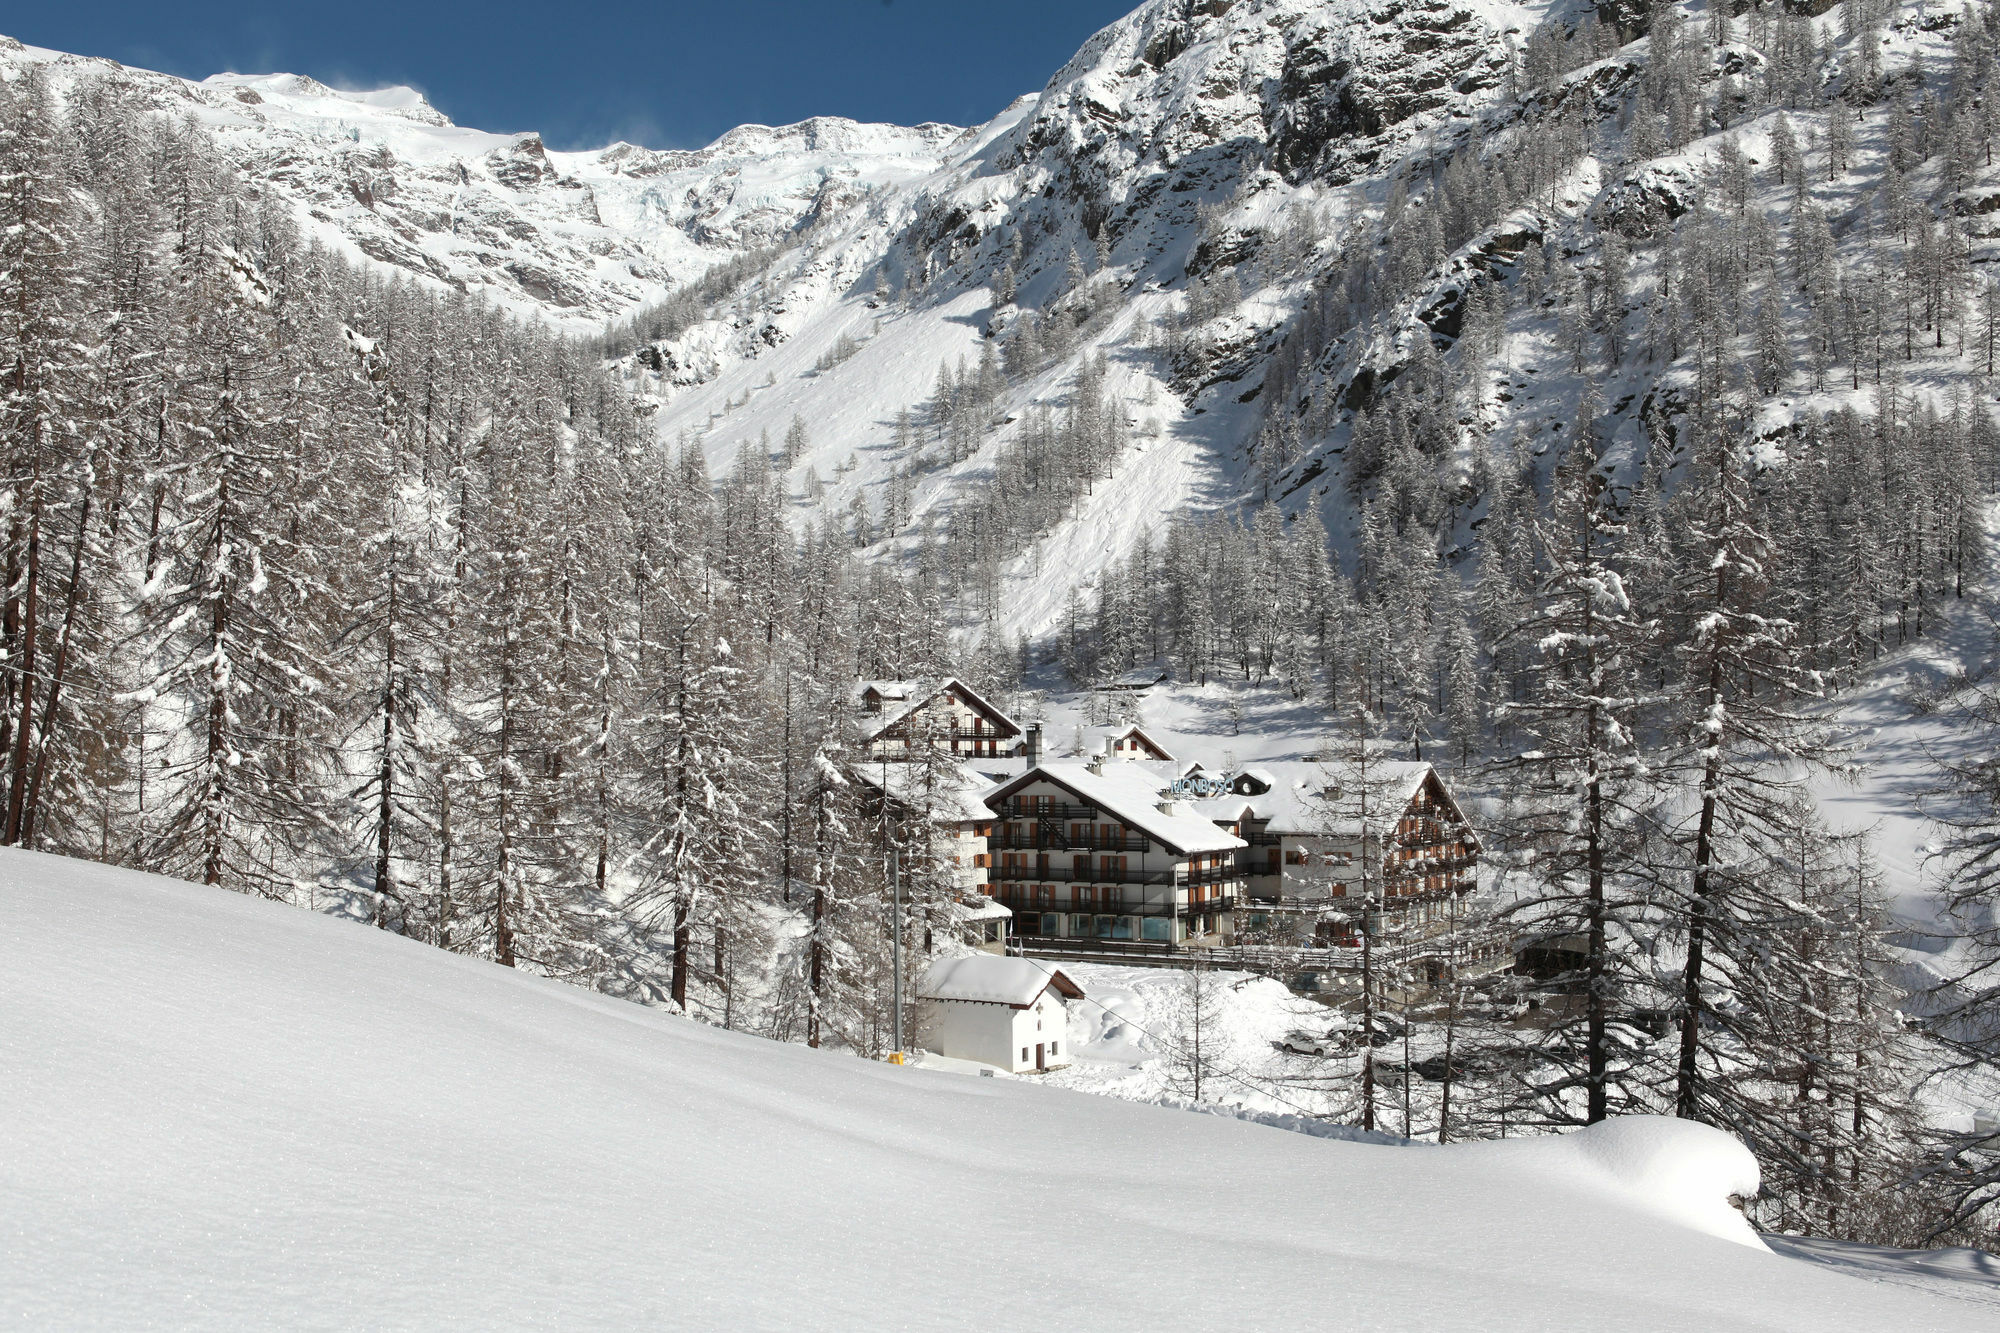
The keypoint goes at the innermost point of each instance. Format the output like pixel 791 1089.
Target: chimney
pixel 1031 748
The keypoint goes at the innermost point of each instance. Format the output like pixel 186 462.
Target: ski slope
pixel 225 1112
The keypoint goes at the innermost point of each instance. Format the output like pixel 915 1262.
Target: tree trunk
pixel 1687 1080
pixel 385 885
pixel 48 725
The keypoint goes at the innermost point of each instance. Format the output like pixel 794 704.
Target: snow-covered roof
pixel 1135 796
pixel 1141 678
pixel 910 695
pixel 1106 738
pixel 985 978
pixel 951 790
pixel 1292 798
pixel 982 908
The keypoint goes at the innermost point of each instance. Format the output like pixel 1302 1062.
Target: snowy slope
pixel 574 237
pixel 1250 110
pixel 223 1112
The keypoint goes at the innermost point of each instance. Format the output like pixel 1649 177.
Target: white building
pixel 1011 1013
pixel 946 795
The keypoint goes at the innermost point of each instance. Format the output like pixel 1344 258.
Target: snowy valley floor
pixel 223 1112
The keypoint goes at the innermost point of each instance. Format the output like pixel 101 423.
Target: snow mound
pixel 222 1112
pixel 1678 1169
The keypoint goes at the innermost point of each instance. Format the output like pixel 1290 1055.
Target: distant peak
pixel 405 103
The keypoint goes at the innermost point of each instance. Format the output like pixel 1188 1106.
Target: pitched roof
pixel 1134 795
pixel 951 790
pixel 1141 678
pixel 985 978
pixel 900 698
pixel 1106 737
pixel 1293 801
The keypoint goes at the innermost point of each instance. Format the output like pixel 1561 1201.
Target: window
pixel 1054 1048
pixel 1159 928
pixel 1024 1055
pixel 1121 927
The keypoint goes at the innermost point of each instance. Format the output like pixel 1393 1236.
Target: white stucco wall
pixel 995 1034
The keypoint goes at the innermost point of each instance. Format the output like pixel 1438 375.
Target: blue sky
pixel 666 74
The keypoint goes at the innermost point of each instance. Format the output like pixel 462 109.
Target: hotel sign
pixel 1198 787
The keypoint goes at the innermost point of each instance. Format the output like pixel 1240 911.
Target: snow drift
pixel 222 1111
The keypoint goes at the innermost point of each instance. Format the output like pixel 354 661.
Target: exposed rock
pixel 1648 199
pixel 523 165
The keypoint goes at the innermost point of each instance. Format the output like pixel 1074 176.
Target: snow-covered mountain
pixel 223 1112
pixel 1165 154
pixel 889 238
pixel 576 237
pixel 1258 212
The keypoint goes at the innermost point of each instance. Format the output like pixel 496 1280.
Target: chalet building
pixel 898 716
pixel 1130 744
pixel 1101 851
pixel 1012 1013
pixel 1306 848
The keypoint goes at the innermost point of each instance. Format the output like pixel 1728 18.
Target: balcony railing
pixel 1433 865
pixel 1019 809
pixel 1063 842
pixel 1069 875
pixel 1213 907
pixel 1418 869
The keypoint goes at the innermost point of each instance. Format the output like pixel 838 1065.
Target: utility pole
pixel 1367 999
pixel 896 946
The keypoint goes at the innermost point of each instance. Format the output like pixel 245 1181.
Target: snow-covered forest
pixel 1592 421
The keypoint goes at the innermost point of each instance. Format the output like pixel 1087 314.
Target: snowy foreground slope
pixel 222 1111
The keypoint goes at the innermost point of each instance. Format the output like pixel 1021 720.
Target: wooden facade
pixel 898 717
pixel 1417 859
